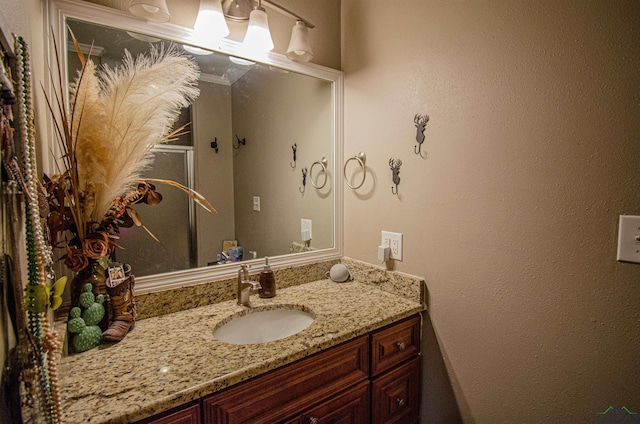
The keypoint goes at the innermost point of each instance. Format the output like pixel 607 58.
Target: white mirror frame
pixel 59 10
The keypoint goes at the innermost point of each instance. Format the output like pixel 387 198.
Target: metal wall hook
pixel 214 144
pixel 241 142
pixel 323 164
pixel 294 147
pixel 395 170
pixel 304 180
pixel 361 158
pixel 421 123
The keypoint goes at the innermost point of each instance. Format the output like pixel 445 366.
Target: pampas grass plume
pixel 118 116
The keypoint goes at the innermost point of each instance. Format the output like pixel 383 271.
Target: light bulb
pixel 258 38
pixel 210 24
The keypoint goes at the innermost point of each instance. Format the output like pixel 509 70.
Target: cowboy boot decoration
pixel 123 305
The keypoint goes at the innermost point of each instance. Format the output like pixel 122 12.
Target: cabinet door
pixel 189 415
pixel 350 407
pixel 395 395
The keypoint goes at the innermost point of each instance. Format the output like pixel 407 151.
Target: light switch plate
pixel 306 229
pixel 256 203
pixel 629 238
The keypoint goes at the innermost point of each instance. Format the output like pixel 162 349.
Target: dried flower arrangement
pixel 115 117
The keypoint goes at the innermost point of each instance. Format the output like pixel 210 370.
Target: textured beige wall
pixel 532 154
pixel 211 117
pixel 262 167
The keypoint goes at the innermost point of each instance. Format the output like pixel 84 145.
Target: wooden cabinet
pixel 394 344
pixel 396 394
pixel 371 379
pixel 290 390
pixel 182 415
pixel 395 372
pixel 350 407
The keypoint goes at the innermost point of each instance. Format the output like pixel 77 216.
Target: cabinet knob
pixel 314 420
pixel 401 403
pixel 401 346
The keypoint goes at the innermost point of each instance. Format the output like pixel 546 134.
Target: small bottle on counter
pixel 267 281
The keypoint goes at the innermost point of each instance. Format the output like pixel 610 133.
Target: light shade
pixel 151 10
pixel 210 25
pixel 299 47
pixel 258 38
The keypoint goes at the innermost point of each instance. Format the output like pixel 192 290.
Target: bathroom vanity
pixel 334 386
pixel 358 361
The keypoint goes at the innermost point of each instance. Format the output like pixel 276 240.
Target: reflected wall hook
pixel 294 147
pixel 304 180
pixel 421 123
pixel 323 164
pixel 242 142
pixel 361 158
pixel 395 170
pixel 214 144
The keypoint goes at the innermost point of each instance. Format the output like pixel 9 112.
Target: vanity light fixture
pixel 258 31
pixel 151 10
pixel 209 28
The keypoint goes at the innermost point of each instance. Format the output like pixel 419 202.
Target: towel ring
pixel 361 158
pixel 323 164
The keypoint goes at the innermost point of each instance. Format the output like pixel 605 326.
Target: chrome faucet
pixel 245 286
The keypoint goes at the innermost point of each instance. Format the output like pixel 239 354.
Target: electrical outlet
pixel 256 203
pixel 394 241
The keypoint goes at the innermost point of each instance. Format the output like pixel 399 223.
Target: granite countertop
pixel 172 359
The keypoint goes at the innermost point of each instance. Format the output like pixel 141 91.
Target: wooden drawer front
pixel 350 407
pixel 188 415
pixel 396 395
pixel 291 389
pixel 394 344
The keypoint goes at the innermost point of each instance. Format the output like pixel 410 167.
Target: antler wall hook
pixel 294 147
pixel 241 142
pixel 421 123
pixel 395 170
pixel 304 180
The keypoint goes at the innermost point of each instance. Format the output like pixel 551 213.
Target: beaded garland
pixel 39 254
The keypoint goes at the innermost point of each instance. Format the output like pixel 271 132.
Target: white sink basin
pixel 263 326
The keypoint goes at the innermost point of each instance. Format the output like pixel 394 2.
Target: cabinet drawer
pixel 291 389
pixel 182 415
pixel 396 395
pixel 350 407
pixel 394 344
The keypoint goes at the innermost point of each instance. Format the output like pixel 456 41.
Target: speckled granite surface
pixel 172 359
pixel 168 301
pixel 395 282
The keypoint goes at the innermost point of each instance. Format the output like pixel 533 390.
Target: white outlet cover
pixel 394 241
pixel 629 238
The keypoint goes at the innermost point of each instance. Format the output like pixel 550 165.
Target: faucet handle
pixel 243 272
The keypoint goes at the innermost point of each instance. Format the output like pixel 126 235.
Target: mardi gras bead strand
pixel 39 256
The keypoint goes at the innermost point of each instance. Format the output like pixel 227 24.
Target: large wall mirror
pixel 238 153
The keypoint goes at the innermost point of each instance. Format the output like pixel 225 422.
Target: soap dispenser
pixel 267 281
